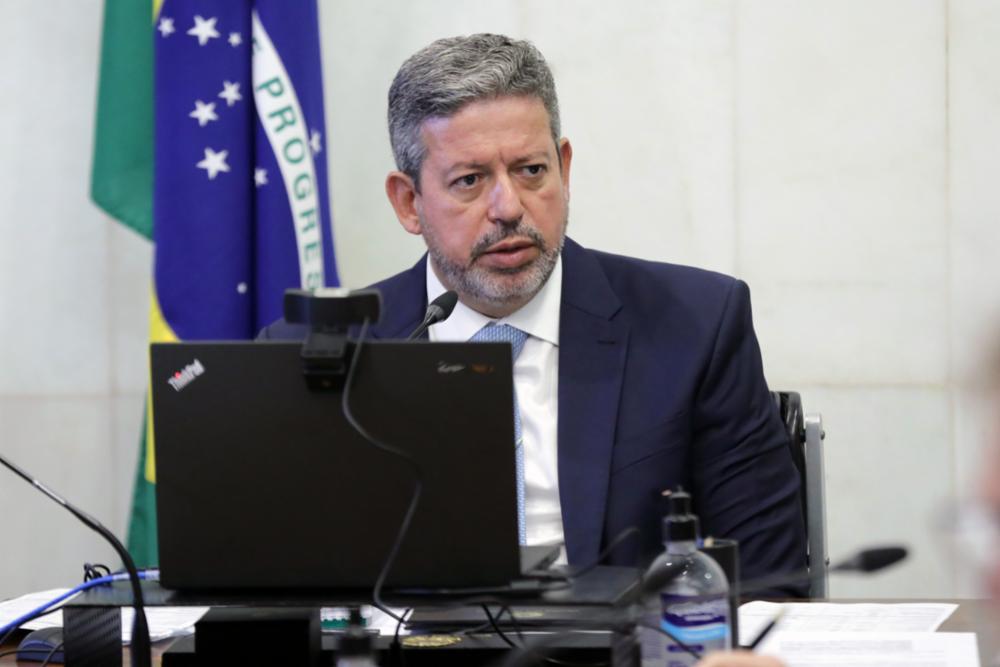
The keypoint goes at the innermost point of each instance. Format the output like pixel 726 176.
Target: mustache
pixel 503 232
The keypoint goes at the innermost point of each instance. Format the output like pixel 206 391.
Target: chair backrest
pixel 805 442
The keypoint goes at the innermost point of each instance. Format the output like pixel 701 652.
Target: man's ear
pixel 566 159
pixel 403 195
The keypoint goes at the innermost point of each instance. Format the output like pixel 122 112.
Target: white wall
pixel 73 290
pixel 839 155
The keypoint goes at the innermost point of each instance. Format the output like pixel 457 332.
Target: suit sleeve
pixel 746 486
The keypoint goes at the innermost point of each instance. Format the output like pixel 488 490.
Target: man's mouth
pixel 509 246
pixel 509 253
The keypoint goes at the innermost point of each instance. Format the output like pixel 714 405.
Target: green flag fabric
pixel 122 177
pixel 122 185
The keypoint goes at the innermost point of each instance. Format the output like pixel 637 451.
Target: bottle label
pixel 700 621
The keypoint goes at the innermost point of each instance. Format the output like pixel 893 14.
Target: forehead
pixel 504 127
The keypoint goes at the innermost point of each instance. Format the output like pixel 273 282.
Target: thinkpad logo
pixel 445 367
pixel 186 376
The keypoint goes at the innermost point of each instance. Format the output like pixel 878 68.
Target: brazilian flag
pixel 210 141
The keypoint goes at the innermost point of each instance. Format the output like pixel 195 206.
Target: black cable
pixel 400 623
pixel 52 653
pixel 531 650
pixel 95 571
pixel 496 627
pixel 547 659
pixel 396 648
pixel 12 651
pixel 486 596
pixel 417 475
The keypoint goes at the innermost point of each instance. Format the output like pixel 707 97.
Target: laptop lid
pixel 262 483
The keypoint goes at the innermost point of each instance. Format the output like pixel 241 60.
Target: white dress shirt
pixel 536 383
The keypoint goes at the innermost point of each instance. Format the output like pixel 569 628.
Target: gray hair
pixel 441 78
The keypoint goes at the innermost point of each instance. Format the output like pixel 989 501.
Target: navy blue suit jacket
pixel 660 384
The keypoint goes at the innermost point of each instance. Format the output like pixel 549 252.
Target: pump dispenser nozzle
pixel 680 525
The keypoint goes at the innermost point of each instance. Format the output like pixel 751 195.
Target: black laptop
pixel 262 483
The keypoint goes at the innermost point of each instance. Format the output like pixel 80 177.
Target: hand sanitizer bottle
pixel 693 605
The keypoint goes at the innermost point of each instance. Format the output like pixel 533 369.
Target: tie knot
pixel 502 333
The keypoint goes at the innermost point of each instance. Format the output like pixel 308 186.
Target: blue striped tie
pixel 505 333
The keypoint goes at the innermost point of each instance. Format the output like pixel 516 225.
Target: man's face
pixel 493 201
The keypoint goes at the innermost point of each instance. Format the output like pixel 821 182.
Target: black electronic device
pixel 328 314
pixel 263 484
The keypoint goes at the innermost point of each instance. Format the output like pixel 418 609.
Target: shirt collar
pixel 539 317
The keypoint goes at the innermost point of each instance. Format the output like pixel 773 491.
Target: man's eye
pixel 534 169
pixel 467 181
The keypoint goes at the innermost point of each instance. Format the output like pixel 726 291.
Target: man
pixel 631 377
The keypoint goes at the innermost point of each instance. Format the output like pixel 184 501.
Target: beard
pixel 497 286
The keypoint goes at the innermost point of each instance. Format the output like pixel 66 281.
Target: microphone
pixel 865 561
pixel 140 648
pixel 871 560
pixel 438 310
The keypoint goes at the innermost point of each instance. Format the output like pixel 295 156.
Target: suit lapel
pixel 592 350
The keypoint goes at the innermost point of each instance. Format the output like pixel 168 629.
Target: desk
pixel 97 610
pixel 969 617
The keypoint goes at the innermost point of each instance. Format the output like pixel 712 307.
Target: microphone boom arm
pixel 140 648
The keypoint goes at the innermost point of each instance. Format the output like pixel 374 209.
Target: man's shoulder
pixel 636 268
pixel 660 284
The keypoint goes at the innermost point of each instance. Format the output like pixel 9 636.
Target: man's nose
pixel 505 202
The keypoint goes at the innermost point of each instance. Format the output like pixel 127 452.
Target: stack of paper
pixel 859 635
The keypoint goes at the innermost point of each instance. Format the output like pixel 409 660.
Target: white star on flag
pixel 230 93
pixel 204 30
pixel 166 26
pixel 314 142
pixel 259 177
pixel 214 162
pixel 235 39
pixel 203 112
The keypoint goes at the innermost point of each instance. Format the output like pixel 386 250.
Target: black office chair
pixel 805 442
